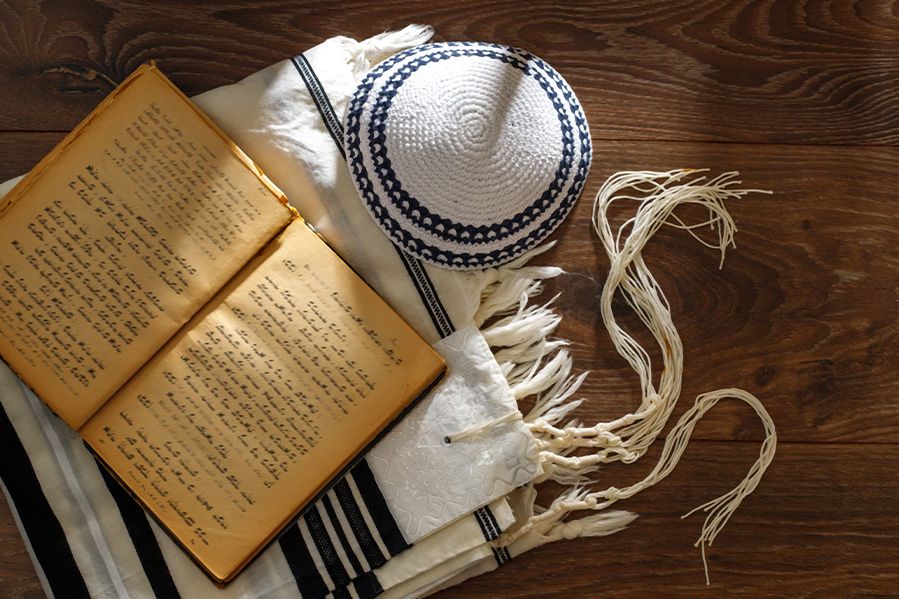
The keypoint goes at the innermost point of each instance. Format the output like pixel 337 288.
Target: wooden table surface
pixel 801 97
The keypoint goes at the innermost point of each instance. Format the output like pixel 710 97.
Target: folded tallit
pixel 405 490
pixel 467 445
pixel 518 334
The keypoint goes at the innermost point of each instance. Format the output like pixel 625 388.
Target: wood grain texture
pixel 805 312
pixel 19 152
pixel 751 71
pixel 813 528
pixel 17 575
pixel 800 96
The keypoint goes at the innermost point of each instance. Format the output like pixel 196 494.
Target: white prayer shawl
pixel 531 364
pixel 420 499
pixel 287 117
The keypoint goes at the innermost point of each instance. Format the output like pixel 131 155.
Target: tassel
pixel 508 287
pixel 658 195
pixel 627 438
pixel 377 48
pixel 719 510
pixel 527 326
pixel 543 377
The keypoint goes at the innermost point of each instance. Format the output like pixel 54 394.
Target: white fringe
pixel 537 367
pixel 377 48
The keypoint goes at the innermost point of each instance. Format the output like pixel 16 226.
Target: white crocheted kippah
pixel 467 154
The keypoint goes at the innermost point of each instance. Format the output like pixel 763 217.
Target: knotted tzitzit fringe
pixel 719 510
pixel 659 194
pixel 627 438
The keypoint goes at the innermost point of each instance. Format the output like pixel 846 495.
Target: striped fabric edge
pixel 350 526
pixel 145 544
pixel 491 532
pixel 89 483
pixel 501 555
pixel 346 534
pixel 40 528
pixel 368 586
pixel 322 102
pixel 428 293
pixel 488 524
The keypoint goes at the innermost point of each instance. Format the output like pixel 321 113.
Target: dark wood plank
pixel 17 575
pixel 786 72
pixel 19 152
pixel 823 523
pixel 805 312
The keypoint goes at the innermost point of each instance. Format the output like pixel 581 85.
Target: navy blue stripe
pixel 367 586
pixel 142 537
pixel 322 102
pixel 491 522
pixel 449 328
pixel 428 294
pixel 48 540
pixel 325 548
pixel 410 263
pixel 366 541
pixel 305 572
pixel 347 548
pixel 498 557
pixel 501 556
pixel 484 531
pixel 377 507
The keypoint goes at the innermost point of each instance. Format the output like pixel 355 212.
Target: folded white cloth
pixel 387 502
pixel 465 446
pixel 275 115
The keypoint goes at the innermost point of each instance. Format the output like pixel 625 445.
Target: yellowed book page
pixel 265 396
pixel 118 237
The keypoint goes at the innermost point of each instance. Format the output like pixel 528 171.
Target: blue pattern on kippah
pixel 409 205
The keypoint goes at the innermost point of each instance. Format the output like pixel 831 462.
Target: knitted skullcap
pixel 466 154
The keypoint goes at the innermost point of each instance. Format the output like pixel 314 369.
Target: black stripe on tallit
pixel 145 544
pixel 40 525
pixel 483 524
pixel 326 549
pixel 367 586
pixel 388 529
pixel 305 572
pixel 341 536
pixel 322 102
pixel 367 543
pixel 425 288
pixel 493 524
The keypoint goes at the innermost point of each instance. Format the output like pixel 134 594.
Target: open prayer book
pixel 160 295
